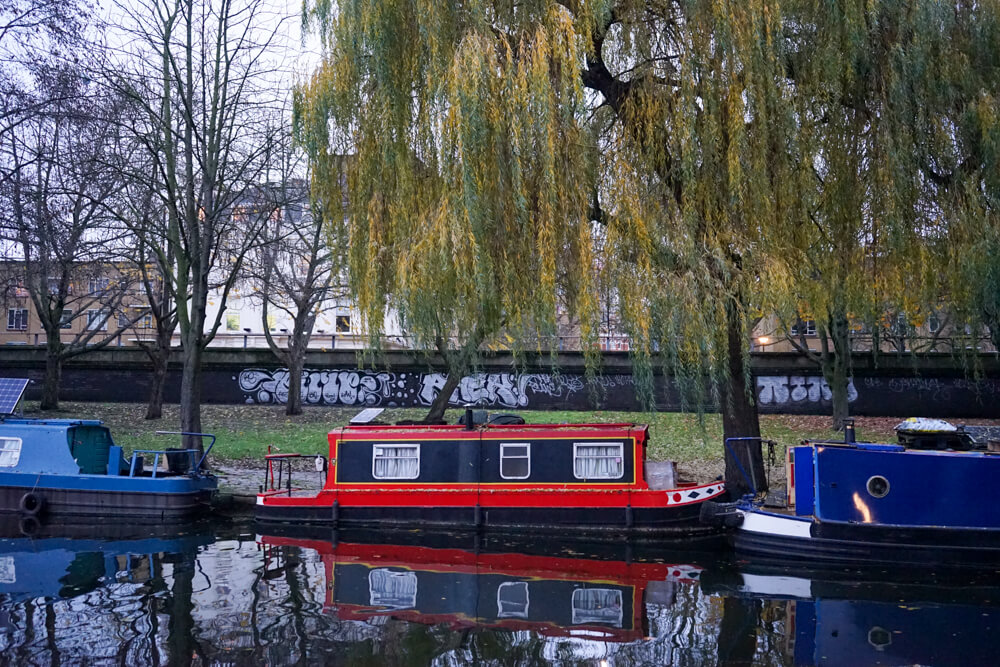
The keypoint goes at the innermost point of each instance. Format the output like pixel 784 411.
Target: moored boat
pixel 72 467
pixel 585 478
pixel 855 502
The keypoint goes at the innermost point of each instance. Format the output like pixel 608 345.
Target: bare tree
pixel 198 71
pixel 297 270
pixel 56 230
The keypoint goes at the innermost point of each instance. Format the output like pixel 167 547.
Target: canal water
pixel 223 592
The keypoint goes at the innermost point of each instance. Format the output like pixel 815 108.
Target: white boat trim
pixel 772 524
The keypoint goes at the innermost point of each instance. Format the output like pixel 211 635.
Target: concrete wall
pixel 934 385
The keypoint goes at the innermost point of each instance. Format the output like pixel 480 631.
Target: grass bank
pixel 245 431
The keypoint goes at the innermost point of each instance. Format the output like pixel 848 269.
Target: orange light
pixel 866 514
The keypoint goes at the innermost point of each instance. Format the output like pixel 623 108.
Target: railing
pixel 283 484
pixel 192 467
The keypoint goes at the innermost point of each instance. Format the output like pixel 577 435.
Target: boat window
pixel 515 460
pixel 597 605
pixel 512 599
pixel 396 461
pixel 598 461
pixel 10 452
pixel 392 590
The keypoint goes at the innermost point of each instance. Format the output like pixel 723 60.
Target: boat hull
pixel 107 496
pixel 794 539
pixel 592 520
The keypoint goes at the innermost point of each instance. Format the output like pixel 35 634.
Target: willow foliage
pixel 700 160
pixel 886 94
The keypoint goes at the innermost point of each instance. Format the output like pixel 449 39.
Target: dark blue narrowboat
pixel 73 467
pixel 856 502
pixel 581 478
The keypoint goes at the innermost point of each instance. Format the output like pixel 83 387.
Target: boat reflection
pixel 59 563
pixel 874 617
pixel 543 589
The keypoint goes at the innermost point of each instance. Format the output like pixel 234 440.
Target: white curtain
pixel 10 452
pixel 397 462
pixel 599 461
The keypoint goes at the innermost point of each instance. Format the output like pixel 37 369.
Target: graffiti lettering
pixel 784 389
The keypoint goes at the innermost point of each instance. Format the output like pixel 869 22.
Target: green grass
pixel 245 431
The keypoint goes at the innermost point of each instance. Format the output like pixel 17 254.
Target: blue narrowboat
pixel 856 502
pixel 73 467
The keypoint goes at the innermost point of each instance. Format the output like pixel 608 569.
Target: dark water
pixel 220 593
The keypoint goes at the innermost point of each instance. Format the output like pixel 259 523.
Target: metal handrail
pixel 156 458
pixel 269 485
pixel 203 435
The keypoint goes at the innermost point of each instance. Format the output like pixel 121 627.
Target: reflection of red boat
pixel 586 478
pixel 551 595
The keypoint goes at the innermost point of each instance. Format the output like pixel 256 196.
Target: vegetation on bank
pixel 245 431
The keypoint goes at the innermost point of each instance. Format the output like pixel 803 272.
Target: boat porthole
pixel 878 486
pixel 879 638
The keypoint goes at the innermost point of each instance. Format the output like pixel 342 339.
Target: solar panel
pixel 10 393
pixel 367 415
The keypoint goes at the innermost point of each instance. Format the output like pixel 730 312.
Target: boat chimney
pixel 849 436
pixel 469 421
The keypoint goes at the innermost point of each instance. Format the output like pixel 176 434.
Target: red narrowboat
pixel 587 478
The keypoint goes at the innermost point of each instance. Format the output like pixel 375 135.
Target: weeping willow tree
pixel 887 97
pixel 961 164
pixel 495 141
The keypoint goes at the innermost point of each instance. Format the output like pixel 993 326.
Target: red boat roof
pixel 364 429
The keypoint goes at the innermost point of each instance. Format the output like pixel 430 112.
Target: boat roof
pixel 458 429
pixel 45 445
pixel 66 423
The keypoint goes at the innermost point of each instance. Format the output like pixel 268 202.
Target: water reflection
pixel 215 592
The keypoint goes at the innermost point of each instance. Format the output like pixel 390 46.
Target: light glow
pixel 866 514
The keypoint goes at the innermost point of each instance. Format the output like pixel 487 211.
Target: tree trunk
pixel 53 372
pixel 154 409
pixel 440 404
pixel 191 393
pixel 296 360
pixel 744 459
pixel 836 368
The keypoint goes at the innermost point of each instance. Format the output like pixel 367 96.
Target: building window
pixel 392 590
pixel 98 285
pixel 97 320
pixel 17 319
pixel 66 319
pixel 513 600
pixel 515 460
pixel 806 327
pixel 343 324
pixel 10 452
pixel 597 605
pixel 603 461
pixel 395 461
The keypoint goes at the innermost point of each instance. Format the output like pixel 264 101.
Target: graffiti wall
pixel 901 394
pixel 801 394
